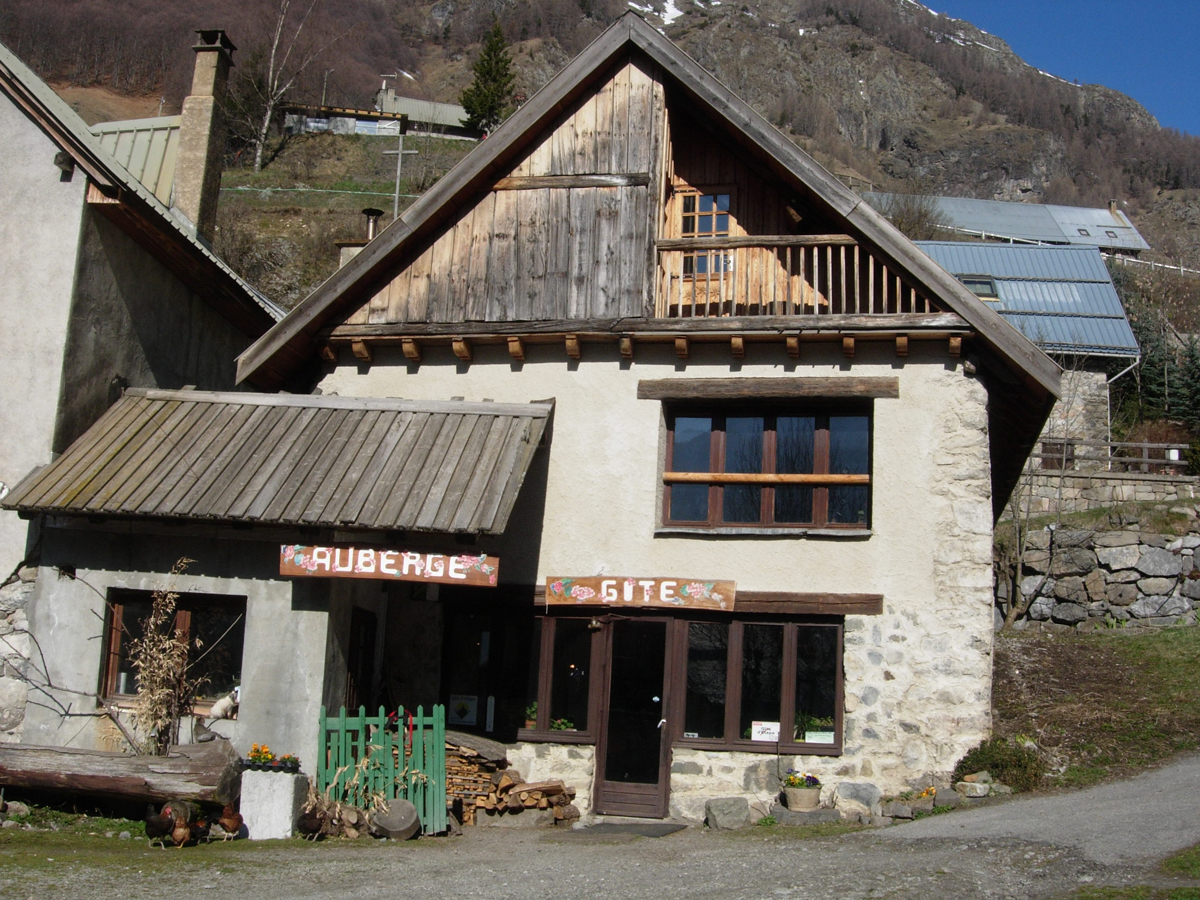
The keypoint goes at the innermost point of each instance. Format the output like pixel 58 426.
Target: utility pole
pixel 325 85
pixel 399 152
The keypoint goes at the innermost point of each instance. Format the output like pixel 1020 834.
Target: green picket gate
pixel 361 758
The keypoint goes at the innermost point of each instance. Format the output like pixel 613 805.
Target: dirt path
pixel 1136 820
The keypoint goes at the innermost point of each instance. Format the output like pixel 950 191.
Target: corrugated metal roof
pixel 1061 298
pixel 1033 222
pixel 422 112
pixel 146 148
pixel 284 459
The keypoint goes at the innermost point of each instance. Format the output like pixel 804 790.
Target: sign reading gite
pixel 689 593
pixel 301 561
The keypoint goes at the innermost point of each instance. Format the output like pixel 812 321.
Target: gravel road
pixel 1038 847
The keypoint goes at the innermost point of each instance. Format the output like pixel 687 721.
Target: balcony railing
pixel 1113 456
pixel 788 275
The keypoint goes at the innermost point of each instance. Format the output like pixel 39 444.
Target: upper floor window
pixel 704 216
pixel 771 467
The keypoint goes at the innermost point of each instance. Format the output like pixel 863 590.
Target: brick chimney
pixel 202 135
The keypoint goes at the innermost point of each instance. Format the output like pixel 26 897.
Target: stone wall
pixel 15 647
pixel 1052 492
pixel 1091 579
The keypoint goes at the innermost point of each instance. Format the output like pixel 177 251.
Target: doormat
pixel 647 829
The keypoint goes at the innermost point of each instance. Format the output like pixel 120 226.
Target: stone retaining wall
pixel 1091 490
pixel 15 647
pixel 1089 579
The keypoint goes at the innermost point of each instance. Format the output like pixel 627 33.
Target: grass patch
pixel 1100 705
pixel 1185 862
pixel 1008 763
pixel 796 832
pixel 1134 893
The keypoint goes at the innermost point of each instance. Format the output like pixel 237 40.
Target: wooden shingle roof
pixel 289 460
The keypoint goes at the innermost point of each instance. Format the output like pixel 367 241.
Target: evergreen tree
pixel 1187 407
pixel 488 101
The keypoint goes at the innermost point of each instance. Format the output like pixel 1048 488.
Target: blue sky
pixel 1148 49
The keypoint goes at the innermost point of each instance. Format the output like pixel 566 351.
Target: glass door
pixel 632 754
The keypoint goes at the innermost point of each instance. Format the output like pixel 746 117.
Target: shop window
pixel 783 469
pixel 561 704
pixel 763 686
pixel 214 627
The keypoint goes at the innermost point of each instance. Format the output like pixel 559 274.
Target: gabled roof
pixel 1035 223
pixel 168 237
pixel 290 346
pixel 147 148
pixel 292 460
pixel 1061 298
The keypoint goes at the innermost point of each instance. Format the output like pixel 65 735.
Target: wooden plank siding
pixel 555 240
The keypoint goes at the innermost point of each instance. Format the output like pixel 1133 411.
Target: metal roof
pixel 104 167
pixel 422 112
pixel 146 148
pixel 1033 222
pixel 295 460
pixel 1061 298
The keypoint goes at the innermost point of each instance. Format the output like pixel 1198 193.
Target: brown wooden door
pixel 633 750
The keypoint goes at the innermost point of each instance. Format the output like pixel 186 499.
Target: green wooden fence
pixel 362 757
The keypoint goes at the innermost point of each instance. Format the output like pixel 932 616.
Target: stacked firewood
pixel 469 777
pixel 510 793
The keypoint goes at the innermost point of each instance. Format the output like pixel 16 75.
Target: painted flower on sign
pixel 289 552
pixel 579 592
pixel 557 587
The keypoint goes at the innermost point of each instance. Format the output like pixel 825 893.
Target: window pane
pixel 794 456
pixel 743 453
pixel 762 675
pixel 706 203
pixel 723 202
pixel 531 678
pixel 704 226
pixel 215 647
pixel 133 615
pixel 689 224
pixel 689 203
pixel 690 453
pixel 723 224
pixel 848 454
pixel 816 684
pixel 708 648
pixel 570 674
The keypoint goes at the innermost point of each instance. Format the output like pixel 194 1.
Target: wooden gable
pixel 566 233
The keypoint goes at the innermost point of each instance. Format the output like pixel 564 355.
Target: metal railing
pixel 788 275
pixel 361 758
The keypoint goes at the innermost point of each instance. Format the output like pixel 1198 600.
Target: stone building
pixel 108 282
pixel 693 480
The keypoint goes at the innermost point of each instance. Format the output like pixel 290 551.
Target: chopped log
pixel 548 788
pixel 489 750
pixel 504 783
pixel 205 773
pixel 397 819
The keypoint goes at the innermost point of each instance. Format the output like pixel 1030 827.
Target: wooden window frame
pixel 727 259
pixel 821 480
pixel 541 731
pixel 676 682
pixel 731 741
pixel 110 664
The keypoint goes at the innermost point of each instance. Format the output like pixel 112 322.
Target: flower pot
pixel 802 798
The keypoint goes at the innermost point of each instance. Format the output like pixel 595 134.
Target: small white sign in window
pixel 764 731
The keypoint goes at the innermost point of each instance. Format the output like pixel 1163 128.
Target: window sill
pixel 762 747
pixel 555 737
pixel 738 531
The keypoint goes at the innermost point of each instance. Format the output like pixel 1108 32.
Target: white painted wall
pixel 39 239
pixel 918 678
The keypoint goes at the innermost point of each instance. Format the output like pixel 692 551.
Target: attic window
pixel 1111 234
pixel 982 286
pixel 705 215
pixel 1085 232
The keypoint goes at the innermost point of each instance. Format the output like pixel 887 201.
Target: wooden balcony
pixel 785 275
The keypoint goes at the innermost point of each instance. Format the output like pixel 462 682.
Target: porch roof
pixel 295 460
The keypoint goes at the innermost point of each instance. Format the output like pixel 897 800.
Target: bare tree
pixel 294 41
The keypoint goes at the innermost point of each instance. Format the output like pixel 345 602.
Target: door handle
pixel 662 722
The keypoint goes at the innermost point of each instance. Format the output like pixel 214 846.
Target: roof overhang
pixel 286 460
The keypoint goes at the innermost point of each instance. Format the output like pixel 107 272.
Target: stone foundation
pixel 16 648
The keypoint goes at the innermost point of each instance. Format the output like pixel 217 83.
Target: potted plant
pixel 289 762
pixel 562 725
pixel 802 790
pixel 531 715
pixel 260 757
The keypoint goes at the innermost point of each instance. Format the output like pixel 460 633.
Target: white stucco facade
pixel 917 677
